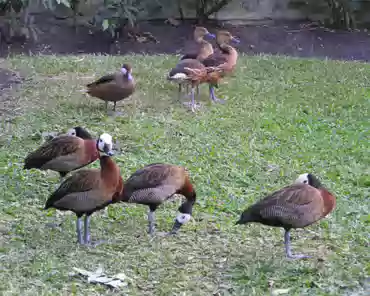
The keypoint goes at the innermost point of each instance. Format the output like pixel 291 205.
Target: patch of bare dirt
pixel 293 39
pixel 8 79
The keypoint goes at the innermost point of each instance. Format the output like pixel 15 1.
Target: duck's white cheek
pixel 183 218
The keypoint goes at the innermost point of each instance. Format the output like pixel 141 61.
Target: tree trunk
pixel 216 7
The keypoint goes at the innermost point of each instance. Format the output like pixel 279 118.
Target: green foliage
pixel 16 21
pixel 336 13
pixel 115 14
pixel 205 8
pixel 341 14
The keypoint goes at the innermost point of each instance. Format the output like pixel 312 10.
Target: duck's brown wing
pixel 153 183
pixel 292 206
pixel 214 60
pixel 192 56
pixel 57 150
pixel 82 192
pixel 183 66
pixel 103 79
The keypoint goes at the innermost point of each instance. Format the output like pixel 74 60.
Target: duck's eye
pixel 305 181
pixel 183 217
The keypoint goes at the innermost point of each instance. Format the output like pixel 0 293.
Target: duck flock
pixel 88 190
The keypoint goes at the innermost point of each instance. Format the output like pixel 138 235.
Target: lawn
pixel 283 117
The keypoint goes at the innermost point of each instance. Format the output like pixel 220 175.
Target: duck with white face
pixel 105 145
pixel 308 179
pixel 89 190
pixel 294 206
pixel 79 132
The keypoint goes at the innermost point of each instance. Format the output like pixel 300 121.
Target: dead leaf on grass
pixel 117 281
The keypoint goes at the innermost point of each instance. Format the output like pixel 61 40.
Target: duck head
pixel 224 36
pixel 80 132
pixel 126 70
pixel 309 179
pixel 201 32
pixel 104 144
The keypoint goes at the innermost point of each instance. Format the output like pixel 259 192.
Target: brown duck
pixel 204 50
pixel 225 61
pixel 113 87
pixel 75 131
pixel 294 206
pixel 178 74
pixel 89 190
pixel 183 73
pixel 65 153
pixel 156 183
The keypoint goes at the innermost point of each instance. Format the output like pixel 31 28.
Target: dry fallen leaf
pixel 98 276
pixel 277 292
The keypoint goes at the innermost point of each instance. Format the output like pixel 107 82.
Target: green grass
pixel 283 117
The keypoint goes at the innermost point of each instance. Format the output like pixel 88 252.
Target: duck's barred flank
pixel 295 206
pixel 154 184
pixel 63 154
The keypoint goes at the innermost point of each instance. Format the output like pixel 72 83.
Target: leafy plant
pixel 341 14
pixel 16 20
pixel 205 8
pixel 116 14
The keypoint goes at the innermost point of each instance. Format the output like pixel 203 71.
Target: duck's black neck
pixel 83 134
pixel 314 182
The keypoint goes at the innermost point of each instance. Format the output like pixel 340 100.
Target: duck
pixel 154 184
pixel 186 72
pixel 205 49
pixel 64 153
pixel 89 190
pixel 75 131
pixel 225 60
pixel 80 132
pixel 210 75
pixel 296 206
pixel 113 87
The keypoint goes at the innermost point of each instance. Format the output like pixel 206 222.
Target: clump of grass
pixel 283 117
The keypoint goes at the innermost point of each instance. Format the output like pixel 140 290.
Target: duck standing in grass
pixel 154 184
pixel 65 153
pixel 295 206
pixel 89 190
pixel 204 50
pixel 113 87
pixel 225 61
pixel 183 73
pixel 180 75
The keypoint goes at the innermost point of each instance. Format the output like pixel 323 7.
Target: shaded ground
pixel 7 80
pixel 292 39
